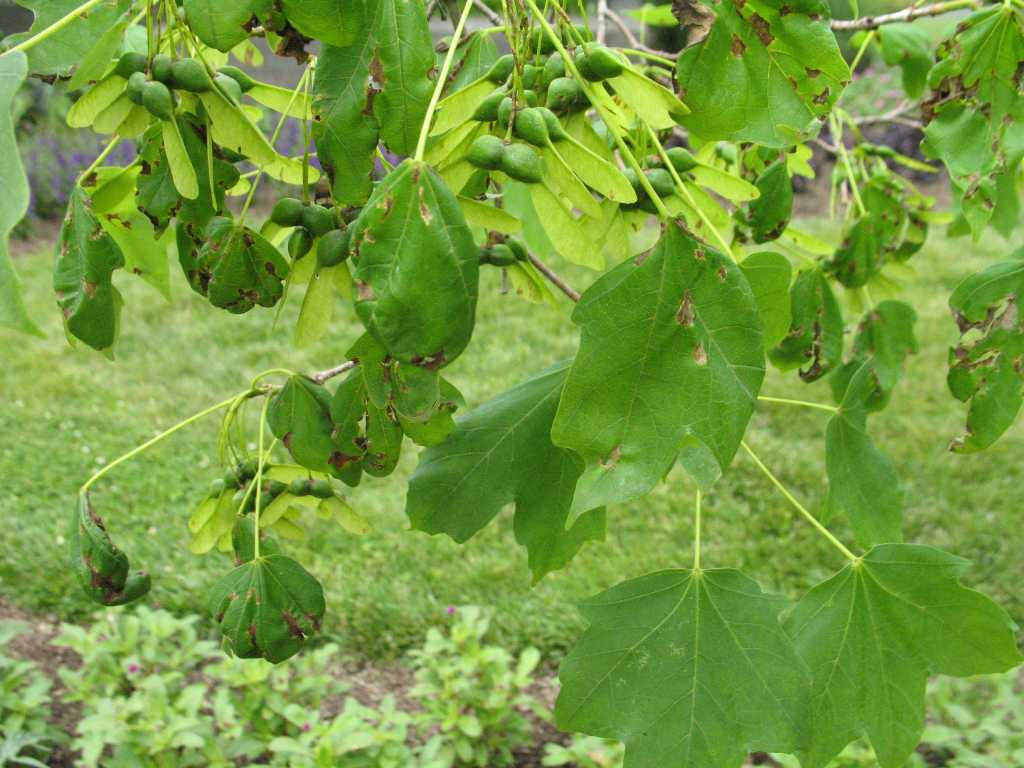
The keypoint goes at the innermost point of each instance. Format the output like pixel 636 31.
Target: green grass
pixel 64 411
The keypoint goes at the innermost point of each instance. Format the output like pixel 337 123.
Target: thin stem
pixel 99 160
pixel 648 55
pixel 57 26
pixel 907 14
pixel 259 480
pixel 592 95
pixel 862 50
pixel 150 443
pixel 271 372
pixel 331 373
pixel 696 532
pixel 800 403
pixel 555 280
pixel 800 507
pixel 837 135
pixel 663 154
pixel 421 145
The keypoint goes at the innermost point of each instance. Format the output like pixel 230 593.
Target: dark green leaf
pixel 671 351
pixel 501 453
pixel 102 568
pixel 874 632
pixel 885 337
pixel 417 268
pixel 985 368
pixel 691 669
pixel 83 276
pixel 267 608
pixel 815 338
pixel 332 22
pixel 909 47
pixel 219 24
pixel 299 415
pixel 776 69
pixel 768 215
pixel 863 484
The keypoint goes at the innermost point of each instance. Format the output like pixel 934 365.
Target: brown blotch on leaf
pixel 686 314
pixel 738 47
pixel 700 355
pixel 364 291
pixel 612 460
pixel 762 30
pixel 425 213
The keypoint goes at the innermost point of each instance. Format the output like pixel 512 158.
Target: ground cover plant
pixel 441 164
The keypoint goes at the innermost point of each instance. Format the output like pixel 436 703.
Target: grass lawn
pixel 64 412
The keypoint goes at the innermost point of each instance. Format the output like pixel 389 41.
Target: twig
pixel 331 373
pixel 907 14
pixel 557 281
pixel 602 16
pixel 631 38
pixel 486 10
pixel 898 115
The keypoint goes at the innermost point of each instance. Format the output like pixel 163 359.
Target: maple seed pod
pixel 288 212
pixel 319 220
pixel 581 59
pixel 530 126
pixel 501 69
pixel 231 480
pixel 682 159
pixel 662 181
pixel 522 163
pixel 300 486
pixel 333 248
pixel 321 489
pixel 563 93
pixel 487 111
pixel 157 99
pixel 130 63
pixel 602 63
pixel 300 242
pixel 532 76
pixel 217 487
pixel 245 82
pixel 505 110
pixel 190 75
pixel 229 87
pixel 555 130
pixel 161 68
pixel 633 179
pixel 554 68
pixel 531 98
pixel 518 249
pixel 499 255
pixel 135 85
pixel 486 152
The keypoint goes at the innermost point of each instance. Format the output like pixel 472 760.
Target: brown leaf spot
pixel 612 460
pixel 425 213
pixel 700 355
pixel 738 47
pixel 686 315
pixel 364 291
pixel 762 30
pixel 696 17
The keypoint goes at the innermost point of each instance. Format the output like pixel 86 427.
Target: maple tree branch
pixel 492 16
pixel 907 14
pixel 555 280
pixel 631 38
pixel 331 373
pixel 602 17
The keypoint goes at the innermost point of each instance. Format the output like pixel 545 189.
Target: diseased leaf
pixel 417 268
pixel 769 215
pixel 102 569
pixel 267 608
pixel 83 275
pixel 499 454
pixel 299 415
pixel 671 349
pixel 986 368
pixel 769 275
pixel 815 337
pixel 910 48
pixel 874 632
pixel 690 669
pixel 776 69
pixel 862 481
pixel 332 22
pixel 13 71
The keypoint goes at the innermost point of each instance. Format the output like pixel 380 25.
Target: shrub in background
pixel 25 733
pixel 473 696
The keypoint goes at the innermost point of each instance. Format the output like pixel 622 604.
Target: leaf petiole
pixel 801 403
pixel 259 479
pixel 57 26
pixel 800 507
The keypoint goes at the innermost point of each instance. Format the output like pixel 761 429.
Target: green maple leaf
pixel 815 337
pixel 299 415
pixel 218 24
pixel 884 339
pixel 267 608
pixel 776 69
pixel 66 48
pixel 909 47
pixel 83 276
pixel 874 632
pixel 863 484
pixel 101 567
pixel 498 454
pixel 671 356
pixel 985 368
pixel 768 216
pixel 376 88
pixel 975 114
pixel 417 268
pixel 13 71
pixel 690 669
pixel 769 275
pixel 332 22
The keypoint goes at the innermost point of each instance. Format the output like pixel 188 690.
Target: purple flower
pixel 133 669
pixel 451 610
pixel 306 727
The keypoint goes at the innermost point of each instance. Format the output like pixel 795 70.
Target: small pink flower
pixel 451 610
pixel 306 727
pixel 133 669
